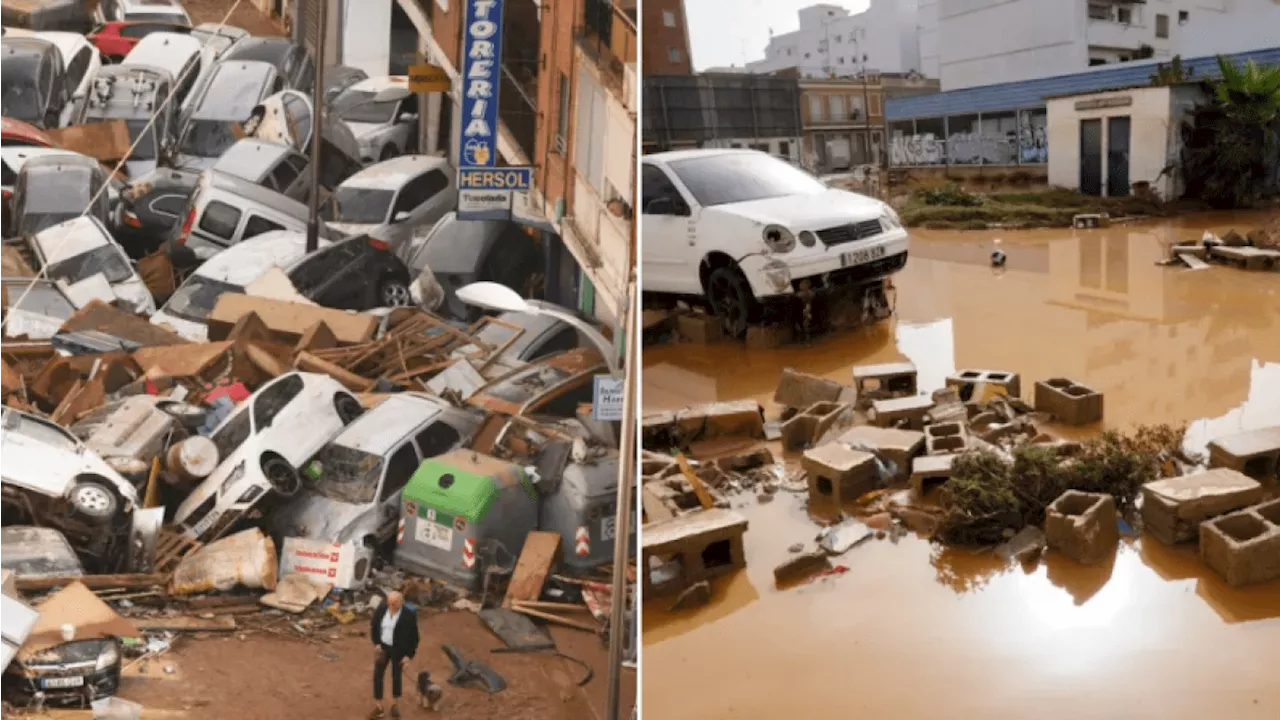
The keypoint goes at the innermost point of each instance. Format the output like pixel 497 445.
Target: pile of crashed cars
pixel 179 369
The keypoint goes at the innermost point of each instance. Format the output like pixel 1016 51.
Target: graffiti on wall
pixel 919 149
pixel 1033 139
pixel 979 148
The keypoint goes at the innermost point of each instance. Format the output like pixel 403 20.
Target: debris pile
pixel 1259 250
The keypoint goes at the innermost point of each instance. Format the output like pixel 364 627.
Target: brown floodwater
pixel 914 630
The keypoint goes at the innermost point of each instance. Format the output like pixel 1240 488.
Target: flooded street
pixel 915 630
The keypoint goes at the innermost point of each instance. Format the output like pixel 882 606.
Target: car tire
pixel 94 500
pixel 388 152
pixel 189 416
pixel 393 293
pixel 347 407
pixel 731 300
pixel 282 476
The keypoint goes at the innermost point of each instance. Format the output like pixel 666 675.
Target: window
pixel 437 439
pixel 1099 12
pixel 1124 15
pixel 655 185
pixel 232 434
pixel 9 176
pixel 78 66
pixel 562 122
pixel 258 225
pixel 1162 26
pixel 815 108
pixel 419 190
pixel 839 38
pixel 838 113
pixel 282 176
pixel 1093 61
pixel 399 470
pixel 784 148
pixel 806 56
pixel 271 401
pixel 171 205
pixel 140 30
pixel 220 220
pixel 856 111
pixel 668 18
pixel 841 60
pixel 673 55
pixel 1183 16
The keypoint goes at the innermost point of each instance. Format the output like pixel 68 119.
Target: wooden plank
pixel 95 582
pixel 193 624
pixel 567 607
pixel 553 618
pixel 704 497
pixel 353 382
pixel 1193 262
pixel 288 321
pixel 540 555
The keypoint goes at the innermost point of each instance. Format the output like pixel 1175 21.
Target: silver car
pixel 394 197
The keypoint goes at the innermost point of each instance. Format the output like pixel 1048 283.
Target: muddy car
pixel 66 674
pixel 36 309
pixel 53 188
pixel 128 433
pixel 37 552
pixel 351 488
pixel 554 387
pixel 81 249
pixel 51 479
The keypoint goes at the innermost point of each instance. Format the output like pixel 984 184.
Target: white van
pixel 182 55
pixel 230 271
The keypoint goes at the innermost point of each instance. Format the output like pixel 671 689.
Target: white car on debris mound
pixel 260 446
pixel 745 229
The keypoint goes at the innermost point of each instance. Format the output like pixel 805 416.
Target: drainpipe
pixel 317 127
pixel 549 131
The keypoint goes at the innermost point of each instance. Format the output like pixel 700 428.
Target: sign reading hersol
pixel 426 78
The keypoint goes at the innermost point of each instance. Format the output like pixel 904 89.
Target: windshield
pixel 742 177
pixel 21 98
pixel 41 299
pixel 208 138
pixel 105 259
pixel 197 296
pixel 218 43
pixel 358 106
pixel 360 205
pixel 344 474
pixel 41 432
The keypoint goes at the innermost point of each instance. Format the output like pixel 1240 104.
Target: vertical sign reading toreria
pixel 482 53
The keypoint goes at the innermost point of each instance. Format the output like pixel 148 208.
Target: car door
pixel 437 198
pixel 217 228
pixel 406 124
pixel 402 465
pixel 667 259
pixel 332 277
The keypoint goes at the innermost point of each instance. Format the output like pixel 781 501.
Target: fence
pixel 693 109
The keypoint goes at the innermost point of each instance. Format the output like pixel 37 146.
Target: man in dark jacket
pixel 394 632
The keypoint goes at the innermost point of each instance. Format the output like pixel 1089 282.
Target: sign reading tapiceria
pixel 482 55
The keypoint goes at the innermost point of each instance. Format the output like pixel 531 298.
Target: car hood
pixel 363 131
pixel 134 294
pixel 805 212
pixel 315 517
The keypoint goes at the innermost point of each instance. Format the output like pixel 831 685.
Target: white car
pixel 260 447
pixel 394 197
pixel 181 55
pixel 383 129
pixel 81 61
pixel 81 248
pixel 230 271
pixel 744 229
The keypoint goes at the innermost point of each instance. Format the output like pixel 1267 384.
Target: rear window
pixel 220 219
pixel 197 296
pixel 344 474
pixel 258 225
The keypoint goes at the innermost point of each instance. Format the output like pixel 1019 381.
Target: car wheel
pixel 94 500
pixel 731 300
pixel 188 415
pixel 388 152
pixel 347 407
pixel 393 293
pixel 282 477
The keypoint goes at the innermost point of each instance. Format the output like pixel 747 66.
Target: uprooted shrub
pixel 989 498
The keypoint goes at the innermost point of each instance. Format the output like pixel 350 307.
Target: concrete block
pixel 1255 453
pixel 1249 258
pixel 1082 526
pixel 910 411
pixel 1197 250
pixel 967 381
pixel 883 382
pixel 930 471
pixel 944 438
pixel 1086 221
pixel 800 390
pixel 889 444
pixel 1174 508
pixel 1069 402
pixel 700 328
pixel 767 337
pixel 804 428
pixel 681 552
pixel 702 422
pixel 1243 547
pixel 839 473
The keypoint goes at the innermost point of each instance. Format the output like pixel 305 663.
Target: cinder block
pixel 912 410
pixel 1082 526
pixel 767 337
pixel 700 546
pixel 1249 258
pixel 800 390
pixel 805 428
pixel 943 438
pixel 1174 508
pixel 1243 547
pixel 930 471
pixel 839 473
pixel 700 328
pixel 1069 402
pixel 1255 453
pixel 889 444
pixel 967 380
pixel 883 382
pixel 1084 221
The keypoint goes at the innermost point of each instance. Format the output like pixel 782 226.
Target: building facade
pixel 832 42
pixel 842 121
pixel 666 38
pixel 723 111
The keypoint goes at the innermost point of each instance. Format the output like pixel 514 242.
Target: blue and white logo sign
pixel 482 53
pixel 608 398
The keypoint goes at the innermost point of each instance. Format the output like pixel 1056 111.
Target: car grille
pixel 855 275
pixel 849 233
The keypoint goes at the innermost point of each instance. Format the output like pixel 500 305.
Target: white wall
pixel 1149 140
pixel 1251 25
pixel 927 22
pixel 835 41
pixel 366 35
pixel 982 42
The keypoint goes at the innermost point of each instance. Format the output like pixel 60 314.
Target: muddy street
pixel 913 629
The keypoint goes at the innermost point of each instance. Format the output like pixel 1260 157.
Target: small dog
pixel 429 694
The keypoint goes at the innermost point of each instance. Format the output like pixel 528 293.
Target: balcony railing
pixel 607 35
pixel 518 84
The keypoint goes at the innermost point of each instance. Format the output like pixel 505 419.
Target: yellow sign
pixel 428 78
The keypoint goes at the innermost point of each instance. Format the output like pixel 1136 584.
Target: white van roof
pixel 246 261
pixel 167 50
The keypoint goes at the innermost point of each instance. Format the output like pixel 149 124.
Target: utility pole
pixel 866 99
pixel 317 128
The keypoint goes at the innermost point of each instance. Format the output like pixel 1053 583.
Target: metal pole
pixel 317 129
pixel 866 102
pixel 622 522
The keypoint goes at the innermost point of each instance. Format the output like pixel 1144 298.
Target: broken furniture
pixel 839 473
pixel 972 384
pixel 1082 526
pixel 1243 547
pixel 678 553
pixel 1174 508
pixel 883 382
pixel 1255 453
pixel 1069 402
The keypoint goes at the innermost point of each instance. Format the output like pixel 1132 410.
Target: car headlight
pixel 889 218
pixel 108 657
pixel 232 478
pixel 779 239
pixel 808 239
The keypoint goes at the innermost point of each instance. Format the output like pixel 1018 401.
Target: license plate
pixel 434 534
pixel 858 257
pixel 204 525
pixel 607 529
pixel 62 682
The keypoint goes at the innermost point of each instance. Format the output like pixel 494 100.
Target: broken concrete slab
pixel 1249 258
pixel 805 428
pixel 947 407
pixel 930 471
pixel 837 472
pixel 1082 526
pixel 681 552
pixel 966 382
pixel 801 567
pixel 1243 547
pixel 1173 508
pixel 889 444
pixel 801 390
pixel 678 428
pixel 944 438
pixel 883 382
pixel 908 412
pixel 1255 453
pixel 1069 402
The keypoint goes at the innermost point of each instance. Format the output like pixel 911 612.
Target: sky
pixel 734 32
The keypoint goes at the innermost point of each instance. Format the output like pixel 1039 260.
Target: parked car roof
pixel 231 90
pixel 397 171
pixel 72 237
pixel 68 43
pixel 227 182
pixel 377 430
pixel 164 50
pixel 250 157
pixel 264 49
pixel 246 261
pixel 676 155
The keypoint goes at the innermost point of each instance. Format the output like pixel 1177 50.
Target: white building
pixel 983 42
pixel 833 42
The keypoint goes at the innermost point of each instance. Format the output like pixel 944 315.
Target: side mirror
pixel 400 216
